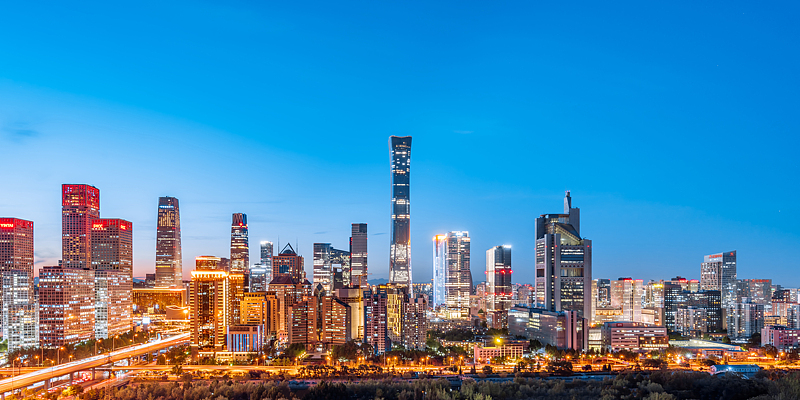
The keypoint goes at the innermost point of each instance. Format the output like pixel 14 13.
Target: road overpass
pixel 45 374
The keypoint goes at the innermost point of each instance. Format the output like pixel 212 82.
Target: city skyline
pixel 646 120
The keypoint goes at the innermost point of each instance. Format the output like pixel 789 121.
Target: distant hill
pixel 378 281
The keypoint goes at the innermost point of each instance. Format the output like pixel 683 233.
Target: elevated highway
pixel 45 374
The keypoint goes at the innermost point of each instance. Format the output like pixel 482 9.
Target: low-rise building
pixel 245 338
pixel 633 336
pixel 782 337
pixel 486 354
pixel 562 329
pixel 708 348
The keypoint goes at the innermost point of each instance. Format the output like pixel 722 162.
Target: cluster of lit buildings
pixel 233 308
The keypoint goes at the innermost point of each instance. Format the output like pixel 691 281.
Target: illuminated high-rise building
pixel 288 292
pixel 208 304
pixel 563 262
pixel 20 316
pixel 169 262
pixel 498 285
pixel 16 247
pixel 358 255
pixel 718 272
pixel 400 246
pixel 335 323
pixel 80 205
pixel 415 322
pixel 439 269
pixel 66 305
pixel 458 277
pixel 288 263
pixel 628 294
pixel 325 260
pixel 112 263
pixel 376 330
pixel 266 259
pixel 240 244
pixel 20 312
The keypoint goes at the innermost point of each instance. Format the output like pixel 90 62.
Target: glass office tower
pixel 169 270
pixel 400 247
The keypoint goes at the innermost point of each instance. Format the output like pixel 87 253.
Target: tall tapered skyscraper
pixel 169 270
pixel 400 247
pixel 240 245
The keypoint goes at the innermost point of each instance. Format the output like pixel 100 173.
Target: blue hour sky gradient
pixel 674 124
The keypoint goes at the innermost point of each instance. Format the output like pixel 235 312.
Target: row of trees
pixel 653 386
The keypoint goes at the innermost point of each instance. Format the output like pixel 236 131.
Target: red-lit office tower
pixel 19 317
pixel 80 204
pixel 16 245
pixel 112 262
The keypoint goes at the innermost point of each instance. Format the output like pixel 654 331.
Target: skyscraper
pixel 498 284
pixel 209 304
pixel 439 269
pixel 169 263
pixel 718 272
pixel 458 277
pixel 325 260
pixel 563 262
pixel 627 294
pixel 266 259
pixel 358 255
pixel 80 204
pixel 16 247
pixel 288 263
pixel 20 317
pixel 400 247
pixel 112 263
pixel 66 305
pixel 20 313
pixel 240 245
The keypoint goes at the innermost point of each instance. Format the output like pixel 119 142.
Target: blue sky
pixel 673 124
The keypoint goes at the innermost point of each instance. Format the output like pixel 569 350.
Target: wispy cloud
pixel 19 132
pixel 379 233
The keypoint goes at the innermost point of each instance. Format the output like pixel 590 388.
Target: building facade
pixel 563 262
pixel 209 305
pixel 20 317
pixel 562 329
pixel 288 263
pixel 400 245
pixel 112 263
pixel 66 305
pixel 358 255
pixel 16 256
pixel 240 244
pixel 169 261
pixel 498 284
pixel 458 277
pixel 439 270
pixel 718 272
pixel 80 204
